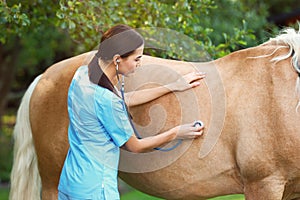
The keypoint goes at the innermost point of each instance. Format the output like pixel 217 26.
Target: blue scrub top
pixel 98 126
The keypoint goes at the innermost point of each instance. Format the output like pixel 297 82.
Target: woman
pixel 99 122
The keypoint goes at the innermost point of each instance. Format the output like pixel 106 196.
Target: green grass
pixel 136 195
pixel 4 194
pixel 230 197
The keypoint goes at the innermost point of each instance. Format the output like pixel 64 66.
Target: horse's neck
pixel 249 64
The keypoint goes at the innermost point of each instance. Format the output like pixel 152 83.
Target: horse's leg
pixel 270 188
pixel 49 193
pixel 49 178
pixel 51 158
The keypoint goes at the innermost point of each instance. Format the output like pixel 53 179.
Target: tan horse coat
pixel 251 143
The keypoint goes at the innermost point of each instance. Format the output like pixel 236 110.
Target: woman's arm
pixel 143 96
pixel 187 131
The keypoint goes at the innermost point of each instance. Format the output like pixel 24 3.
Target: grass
pixel 4 194
pixel 136 195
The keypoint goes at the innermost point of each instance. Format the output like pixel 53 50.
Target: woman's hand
pixel 188 131
pixel 186 82
pixel 143 96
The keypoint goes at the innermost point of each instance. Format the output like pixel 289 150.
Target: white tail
pixel 25 178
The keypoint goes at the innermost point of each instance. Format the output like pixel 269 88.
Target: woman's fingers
pixel 194 76
pixel 193 135
pixel 194 84
pixel 190 131
pixel 186 82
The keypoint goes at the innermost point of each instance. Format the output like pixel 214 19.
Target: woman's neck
pixel 110 71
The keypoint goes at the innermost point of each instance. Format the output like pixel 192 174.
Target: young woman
pixel 99 123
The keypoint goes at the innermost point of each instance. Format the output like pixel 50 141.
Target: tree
pixel 34 32
pixel 86 19
pixel 12 21
pixel 28 38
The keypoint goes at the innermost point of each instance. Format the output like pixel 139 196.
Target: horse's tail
pixel 25 178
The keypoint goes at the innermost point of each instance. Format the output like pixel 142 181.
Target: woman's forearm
pixel 148 143
pixel 186 131
pixel 143 96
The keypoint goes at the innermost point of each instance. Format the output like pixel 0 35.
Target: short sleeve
pixel 111 112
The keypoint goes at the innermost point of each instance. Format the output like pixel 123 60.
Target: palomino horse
pixel 247 101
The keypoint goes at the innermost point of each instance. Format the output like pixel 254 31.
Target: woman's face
pixel 129 64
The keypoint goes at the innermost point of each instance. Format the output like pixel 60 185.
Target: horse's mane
pixel 290 37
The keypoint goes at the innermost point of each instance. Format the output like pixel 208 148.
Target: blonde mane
pixel 290 37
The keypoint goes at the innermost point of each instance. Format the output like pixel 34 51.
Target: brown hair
pixel 120 39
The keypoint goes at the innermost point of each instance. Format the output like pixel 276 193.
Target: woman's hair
pixel 120 39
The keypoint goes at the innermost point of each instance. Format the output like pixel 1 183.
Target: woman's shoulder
pixel 104 93
pixel 82 70
pixel 105 96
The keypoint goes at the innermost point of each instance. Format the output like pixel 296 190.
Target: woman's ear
pixel 116 59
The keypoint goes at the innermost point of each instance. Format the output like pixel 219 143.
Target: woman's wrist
pixel 173 133
pixel 172 87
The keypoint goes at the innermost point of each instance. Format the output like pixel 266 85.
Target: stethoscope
pixel 200 123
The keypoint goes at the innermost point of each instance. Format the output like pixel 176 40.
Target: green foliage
pixel 32 41
pixel 18 18
pixel 39 49
pixel 12 20
pixel 218 33
pixel 281 7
